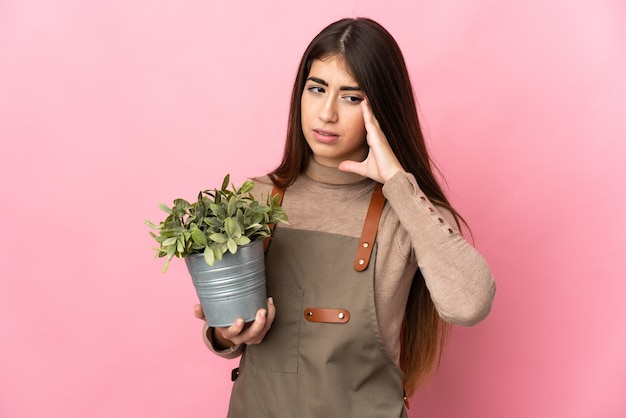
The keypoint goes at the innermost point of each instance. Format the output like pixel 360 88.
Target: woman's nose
pixel 328 112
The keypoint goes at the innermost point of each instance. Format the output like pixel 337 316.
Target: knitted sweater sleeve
pixel 457 276
pixel 229 353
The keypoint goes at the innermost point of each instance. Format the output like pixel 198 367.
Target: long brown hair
pixel 377 64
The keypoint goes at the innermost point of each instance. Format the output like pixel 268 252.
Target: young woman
pixel 371 272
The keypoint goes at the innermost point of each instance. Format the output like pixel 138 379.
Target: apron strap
pixel 280 191
pixel 370 228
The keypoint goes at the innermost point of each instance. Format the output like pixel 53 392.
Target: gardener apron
pixel 323 356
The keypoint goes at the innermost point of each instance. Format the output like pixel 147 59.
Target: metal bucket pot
pixel 233 287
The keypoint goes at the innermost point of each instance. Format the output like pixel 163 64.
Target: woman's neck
pixel 331 175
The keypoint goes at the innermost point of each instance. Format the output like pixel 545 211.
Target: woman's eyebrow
pixel 324 83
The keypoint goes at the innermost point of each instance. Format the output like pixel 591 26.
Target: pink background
pixel 109 108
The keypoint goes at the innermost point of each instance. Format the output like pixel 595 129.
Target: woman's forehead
pixel 331 64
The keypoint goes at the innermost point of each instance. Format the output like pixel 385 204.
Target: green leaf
pixel 232 246
pixel 209 257
pixel 182 203
pixel 166 265
pixel 225 182
pixel 246 187
pixel 169 241
pixel 217 252
pixel 219 238
pixel 243 240
pixel 260 209
pixel 213 222
pixel 218 210
pixel 240 217
pixel 198 236
pixel 232 206
pixel 232 227
pixel 165 208
pixel 253 227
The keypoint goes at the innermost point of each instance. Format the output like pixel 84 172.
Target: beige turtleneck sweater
pixel 412 233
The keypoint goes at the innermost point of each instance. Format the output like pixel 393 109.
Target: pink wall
pixel 109 108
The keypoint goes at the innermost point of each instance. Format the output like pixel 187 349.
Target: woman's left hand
pixel 381 163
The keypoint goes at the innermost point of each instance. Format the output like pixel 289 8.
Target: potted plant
pixel 221 236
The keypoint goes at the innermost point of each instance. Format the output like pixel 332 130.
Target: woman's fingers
pixel 253 332
pixel 381 163
pixel 198 312
pixel 233 332
pixel 371 123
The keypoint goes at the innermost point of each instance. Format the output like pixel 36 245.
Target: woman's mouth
pixel 325 137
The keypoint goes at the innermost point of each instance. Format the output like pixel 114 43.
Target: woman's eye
pixel 316 89
pixel 354 99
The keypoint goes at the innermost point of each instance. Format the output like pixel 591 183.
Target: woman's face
pixel 332 119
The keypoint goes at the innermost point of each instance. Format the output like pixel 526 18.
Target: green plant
pixel 219 221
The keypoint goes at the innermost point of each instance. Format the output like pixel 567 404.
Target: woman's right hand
pixel 240 332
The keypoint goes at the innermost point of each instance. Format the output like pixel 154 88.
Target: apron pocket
pixel 279 350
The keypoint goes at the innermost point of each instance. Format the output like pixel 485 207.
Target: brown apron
pixel 323 356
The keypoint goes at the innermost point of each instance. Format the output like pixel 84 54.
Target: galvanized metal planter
pixel 233 287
